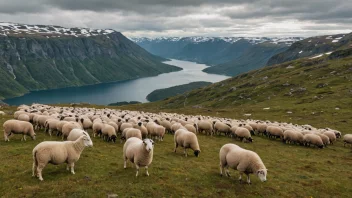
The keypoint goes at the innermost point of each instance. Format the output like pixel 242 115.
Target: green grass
pixel 294 171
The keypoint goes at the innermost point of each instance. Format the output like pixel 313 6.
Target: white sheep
pixel 139 152
pixel 291 136
pixel 243 134
pixel 191 128
pixel 186 140
pixel 131 132
pixel 18 127
pixel 206 126
pixel 55 152
pixel 109 133
pixel 142 128
pixel 313 139
pixel 75 134
pixel 220 127
pixel 347 139
pixel 67 128
pixel 245 161
pixel 275 132
pixel 24 117
pixel 2 113
pixel 331 136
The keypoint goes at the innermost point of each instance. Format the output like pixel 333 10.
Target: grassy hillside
pixel 161 94
pixel 316 91
pixel 254 57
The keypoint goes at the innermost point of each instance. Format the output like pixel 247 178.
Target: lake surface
pixel 130 90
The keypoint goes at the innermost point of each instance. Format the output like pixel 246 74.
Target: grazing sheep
pixel 274 131
pixel 86 123
pixel 75 134
pixel 186 140
pixel 243 160
pixel 59 126
pixel 167 125
pixel 220 127
pixel 24 117
pixel 191 128
pixel 109 133
pixel 139 152
pixel 97 127
pixel 243 134
pixel 206 126
pixel 261 128
pixel 54 152
pixel 347 139
pixel 313 139
pixel 324 138
pixel 291 136
pixel 156 131
pixel 331 136
pixel 51 125
pixel 111 123
pixel 18 127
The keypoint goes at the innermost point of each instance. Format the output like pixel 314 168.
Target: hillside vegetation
pixel 36 62
pixel 161 94
pixel 316 91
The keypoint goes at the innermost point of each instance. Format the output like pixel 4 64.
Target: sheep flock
pixel 139 130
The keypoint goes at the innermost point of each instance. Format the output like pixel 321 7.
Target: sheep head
pixel 149 144
pixel 261 173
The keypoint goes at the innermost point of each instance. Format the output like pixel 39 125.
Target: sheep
pixel 67 128
pixel 176 126
pixel 109 133
pixel 75 134
pixel 274 131
pixel 243 160
pixel 113 124
pixel 186 140
pixel 125 126
pixel 324 138
pixel 59 126
pixel 139 152
pixel 313 139
pixel 331 136
pixel 24 117
pixel 261 128
pixel 347 139
pixel 142 128
pixel 86 123
pixel 2 113
pixel 243 134
pixel 206 126
pixel 55 152
pixel 156 130
pixel 293 136
pixel 166 124
pixel 131 132
pixel 220 127
pixel 191 128
pixel 51 125
pixel 97 127
pixel 18 127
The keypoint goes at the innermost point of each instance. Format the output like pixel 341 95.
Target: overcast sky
pixel 153 18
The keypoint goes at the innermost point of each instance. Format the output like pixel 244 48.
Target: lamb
pixel 243 134
pixel 331 136
pixel 18 127
pixel 131 132
pixel 55 152
pixel 76 133
pixel 206 126
pixel 347 139
pixel 243 160
pixel 139 152
pixel 313 139
pixel 186 140
pixel 109 133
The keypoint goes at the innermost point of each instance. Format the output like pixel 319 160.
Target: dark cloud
pixel 188 17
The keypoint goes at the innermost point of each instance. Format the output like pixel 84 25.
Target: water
pixel 131 90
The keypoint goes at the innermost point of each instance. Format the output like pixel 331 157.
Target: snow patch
pixel 320 55
pixel 300 52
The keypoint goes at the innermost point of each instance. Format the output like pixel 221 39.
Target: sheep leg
pixel 24 137
pixel 50 132
pixel 34 168
pixel 146 169
pixel 248 180
pixel 40 168
pixel 176 145
pixel 221 169
pixel 72 165
pixel 185 152
pixel 227 171
pixel 137 167
pixel 6 138
pixel 68 167
pixel 125 163
pixel 240 178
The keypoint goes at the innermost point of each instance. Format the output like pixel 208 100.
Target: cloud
pixel 188 17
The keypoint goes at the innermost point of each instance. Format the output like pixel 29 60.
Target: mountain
pixel 37 57
pixel 254 57
pixel 312 46
pixel 208 50
pixel 161 94
pixel 307 90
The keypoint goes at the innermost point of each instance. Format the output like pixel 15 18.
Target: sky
pixel 155 18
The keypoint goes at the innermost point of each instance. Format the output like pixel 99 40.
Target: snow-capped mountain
pixel 200 39
pixel 13 29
